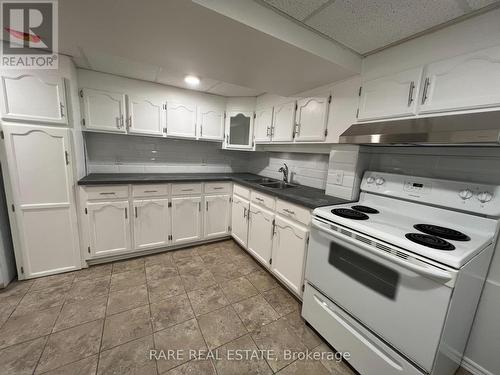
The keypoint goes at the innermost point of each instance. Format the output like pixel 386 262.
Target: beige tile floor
pixel 106 319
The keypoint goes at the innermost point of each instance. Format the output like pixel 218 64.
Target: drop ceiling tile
pixel 106 63
pixel 365 25
pixel 228 89
pixel 298 9
pixel 478 4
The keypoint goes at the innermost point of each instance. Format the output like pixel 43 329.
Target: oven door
pixel 402 300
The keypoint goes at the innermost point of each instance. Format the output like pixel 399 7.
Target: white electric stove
pixel 395 278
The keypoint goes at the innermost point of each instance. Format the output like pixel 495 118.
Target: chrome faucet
pixel 284 170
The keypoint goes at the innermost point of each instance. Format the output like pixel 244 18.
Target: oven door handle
pixel 421 269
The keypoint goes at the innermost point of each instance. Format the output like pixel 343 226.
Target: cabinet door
pixel 146 116
pixel 466 82
pixel 289 249
pixel 391 96
pixel 239 128
pixel 217 214
pixel 33 96
pixel 263 125
pixel 210 123
pixel 284 122
pixel 109 227
pixel 181 120
pixel 239 220
pixel 44 226
pixel 186 219
pixel 260 233
pixel 151 220
pixel 312 116
pixel 103 110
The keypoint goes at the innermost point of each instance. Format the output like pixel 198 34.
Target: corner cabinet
pixel 239 130
pixel 391 96
pixel 181 120
pixel 109 227
pixel 103 110
pixel 146 116
pixel 33 96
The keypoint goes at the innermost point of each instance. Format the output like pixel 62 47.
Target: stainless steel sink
pixel 278 185
pixel 263 180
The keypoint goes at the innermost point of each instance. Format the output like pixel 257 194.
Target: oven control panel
pixel 464 196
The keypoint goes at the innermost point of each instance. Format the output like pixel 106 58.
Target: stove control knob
pixel 370 180
pixel 380 181
pixel 465 194
pixel 484 197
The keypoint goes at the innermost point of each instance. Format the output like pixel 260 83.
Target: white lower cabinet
pixel 151 220
pixel 239 219
pixel 216 218
pixel 260 233
pixel 186 219
pixel 109 227
pixel 289 251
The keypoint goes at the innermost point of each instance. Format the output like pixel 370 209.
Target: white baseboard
pixel 474 368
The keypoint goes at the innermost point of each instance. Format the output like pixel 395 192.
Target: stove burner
pixel 447 233
pixel 349 214
pixel 365 209
pixel 430 241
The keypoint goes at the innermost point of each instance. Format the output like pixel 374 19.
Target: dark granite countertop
pixel 301 195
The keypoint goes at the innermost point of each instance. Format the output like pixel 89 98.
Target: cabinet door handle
pixel 126 213
pixel 199 206
pixel 410 93
pixel 66 155
pixel 244 212
pixel 129 122
pixel 268 131
pixel 135 209
pixel 297 129
pixel 426 89
pixel 61 108
pixel 206 204
pixel 118 122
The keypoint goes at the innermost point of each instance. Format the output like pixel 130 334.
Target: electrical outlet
pixel 338 177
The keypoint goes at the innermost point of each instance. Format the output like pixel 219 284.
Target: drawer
pixel 153 190
pixel 262 199
pixel 241 191
pixel 107 192
pixel 217 187
pixel 186 189
pixel 293 211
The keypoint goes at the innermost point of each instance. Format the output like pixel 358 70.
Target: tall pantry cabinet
pixel 39 156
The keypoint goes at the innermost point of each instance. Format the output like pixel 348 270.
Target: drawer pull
pixel 289 211
pixel 186 189
pixel 151 191
pixel 259 199
pixel 218 188
pixel 110 193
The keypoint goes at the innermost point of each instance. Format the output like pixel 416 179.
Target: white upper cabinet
pixel 45 232
pixel 217 214
pixel 263 124
pixel 289 251
pixel 145 116
pixel 284 122
pixel 151 220
pixel 465 82
pixel 210 123
pixel 260 233
pixel 312 116
pixel 186 219
pixel 34 97
pixel 109 227
pixel 391 96
pixel 181 120
pixel 239 130
pixel 103 110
